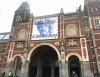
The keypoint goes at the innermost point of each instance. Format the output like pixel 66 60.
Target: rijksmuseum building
pixel 55 45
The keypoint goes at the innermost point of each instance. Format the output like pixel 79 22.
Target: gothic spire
pixel 24 7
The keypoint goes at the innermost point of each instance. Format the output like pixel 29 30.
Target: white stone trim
pixel 75 54
pixel 48 44
pixel 16 56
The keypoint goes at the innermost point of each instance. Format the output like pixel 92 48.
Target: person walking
pixel 9 74
pixel 3 74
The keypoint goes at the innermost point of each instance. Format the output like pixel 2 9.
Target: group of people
pixel 9 74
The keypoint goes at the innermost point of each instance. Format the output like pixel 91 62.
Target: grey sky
pixel 37 7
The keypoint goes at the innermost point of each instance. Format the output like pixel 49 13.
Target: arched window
pixel 71 30
pixel 22 34
pixel 17 64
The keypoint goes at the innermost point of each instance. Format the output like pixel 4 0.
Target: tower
pixel 91 31
pixel 19 38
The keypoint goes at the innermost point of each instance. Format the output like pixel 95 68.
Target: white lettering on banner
pixel 44 22
pixel 45 28
pixel 44 36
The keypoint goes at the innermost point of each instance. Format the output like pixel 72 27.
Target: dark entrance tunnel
pixel 74 66
pixel 42 63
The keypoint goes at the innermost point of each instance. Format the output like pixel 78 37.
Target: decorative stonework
pixel 48 44
pixel 72 42
pixel 22 34
pixel 1 48
pixel 20 45
pixel 72 49
pixel 71 30
pixel 18 18
pixel 70 54
pixel 31 44
pixel 62 56
pixel 56 43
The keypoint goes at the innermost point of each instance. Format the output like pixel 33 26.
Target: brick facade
pixel 77 44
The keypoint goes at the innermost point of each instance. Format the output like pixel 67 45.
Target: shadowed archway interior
pixel 43 62
pixel 74 66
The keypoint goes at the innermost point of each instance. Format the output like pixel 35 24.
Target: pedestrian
pixel 74 74
pixel 13 75
pixel 3 74
pixel 9 74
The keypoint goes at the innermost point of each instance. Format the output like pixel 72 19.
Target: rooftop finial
pixel 24 7
pixel 61 10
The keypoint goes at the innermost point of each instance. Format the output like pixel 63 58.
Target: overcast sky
pixel 37 7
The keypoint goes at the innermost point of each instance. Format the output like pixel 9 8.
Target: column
pixel 24 69
pixel 66 68
pixel 62 69
pixel 81 69
pixel 39 70
pixel 52 70
pixel 86 70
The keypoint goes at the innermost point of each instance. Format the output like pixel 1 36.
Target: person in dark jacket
pixel 3 74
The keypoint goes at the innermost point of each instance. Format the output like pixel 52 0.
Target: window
pixel 97 23
pixel 1 36
pixel 91 9
pixel 1 48
pixel 96 9
pixel 88 45
pixel 86 34
pixel 6 36
pixel 17 63
pixel 85 23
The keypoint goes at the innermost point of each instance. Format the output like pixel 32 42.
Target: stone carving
pixel 19 45
pixel 72 42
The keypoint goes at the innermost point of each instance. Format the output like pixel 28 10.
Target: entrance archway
pixel 74 66
pixel 46 68
pixel 42 62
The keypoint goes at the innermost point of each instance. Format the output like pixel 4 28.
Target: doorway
pixel 74 66
pixel 41 63
pixel 46 69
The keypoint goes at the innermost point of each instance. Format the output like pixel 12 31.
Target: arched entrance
pixel 16 65
pixel 46 68
pixel 43 62
pixel 74 66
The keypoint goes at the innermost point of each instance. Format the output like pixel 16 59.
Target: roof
pixel 24 7
pixel 4 36
pixel 71 14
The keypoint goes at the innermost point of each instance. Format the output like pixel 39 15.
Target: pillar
pixel 81 69
pixel 39 70
pixel 52 70
pixel 86 72
pixel 24 70
pixel 62 69
pixel 66 68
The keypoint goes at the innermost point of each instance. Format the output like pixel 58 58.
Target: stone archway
pixel 42 62
pixel 74 66
pixel 48 44
pixel 17 65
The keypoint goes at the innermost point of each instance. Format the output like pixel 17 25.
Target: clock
pixel 18 18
